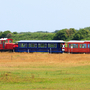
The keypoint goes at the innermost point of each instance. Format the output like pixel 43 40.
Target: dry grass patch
pixel 15 59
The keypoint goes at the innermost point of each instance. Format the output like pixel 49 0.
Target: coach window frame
pixel 52 45
pixel 24 45
pixel 83 45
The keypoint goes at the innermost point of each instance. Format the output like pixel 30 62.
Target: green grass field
pixel 44 76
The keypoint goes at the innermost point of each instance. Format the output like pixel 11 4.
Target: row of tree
pixel 64 34
pixel 71 34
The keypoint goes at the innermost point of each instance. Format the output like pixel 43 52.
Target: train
pixel 51 46
pixel 6 44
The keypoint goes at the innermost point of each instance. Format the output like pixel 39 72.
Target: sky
pixel 43 15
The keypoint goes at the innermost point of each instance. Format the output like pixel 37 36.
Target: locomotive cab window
pixel 6 41
pixel 10 41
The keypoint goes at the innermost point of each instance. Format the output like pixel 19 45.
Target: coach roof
pixel 42 41
pixel 77 41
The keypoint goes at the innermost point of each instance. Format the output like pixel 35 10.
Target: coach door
pixel 88 47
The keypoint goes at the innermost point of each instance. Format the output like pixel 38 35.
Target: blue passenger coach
pixel 50 46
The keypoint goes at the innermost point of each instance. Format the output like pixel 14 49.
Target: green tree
pixel 15 33
pixel 81 34
pixel 1 34
pixel 4 34
pixel 55 31
pixel 60 35
pixel 87 28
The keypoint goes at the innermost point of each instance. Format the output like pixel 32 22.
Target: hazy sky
pixel 43 15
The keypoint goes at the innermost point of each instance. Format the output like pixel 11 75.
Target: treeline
pixel 64 34
pixel 27 35
pixel 72 34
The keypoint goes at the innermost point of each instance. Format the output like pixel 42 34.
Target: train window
pixel 6 41
pixel 0 42
pixel 42 45
pixel 45 45
pixel 52 45
pixel 73 45
pixel 69 45
pixel 55 45
pixel 34 45
pixel 83 45
pixel 88 45
pixel 49 45
pixel 29 45
pixel 10 41
pixel 76 45
pixel 39 45
pixel 80 45
pixel 22 45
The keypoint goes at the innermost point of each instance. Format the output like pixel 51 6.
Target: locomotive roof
pixel 43 41
pixel 3 39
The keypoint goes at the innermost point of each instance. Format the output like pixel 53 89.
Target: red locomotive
pixel 6 44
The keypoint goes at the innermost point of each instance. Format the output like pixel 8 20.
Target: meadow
pixel 44 71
